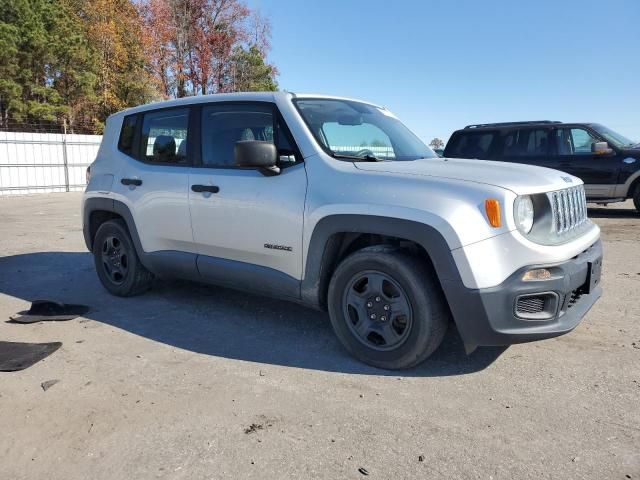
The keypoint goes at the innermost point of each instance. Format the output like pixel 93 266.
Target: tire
pixel 374 281
pixel 636 198
pixel 116 261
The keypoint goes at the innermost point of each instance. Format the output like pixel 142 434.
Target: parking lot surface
pixel 191 381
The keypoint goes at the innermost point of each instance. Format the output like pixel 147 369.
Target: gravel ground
pixel 193 382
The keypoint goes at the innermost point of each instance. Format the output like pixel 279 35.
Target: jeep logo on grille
pixel 567 179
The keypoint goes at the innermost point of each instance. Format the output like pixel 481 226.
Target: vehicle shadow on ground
pixel 213 320
pixel 604 212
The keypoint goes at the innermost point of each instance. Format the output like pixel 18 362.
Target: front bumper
pixel 488 316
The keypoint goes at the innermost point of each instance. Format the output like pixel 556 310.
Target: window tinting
pixel 224 125
pixel 125 144
pixel 526 143
pixel 471 145
pixel 164 136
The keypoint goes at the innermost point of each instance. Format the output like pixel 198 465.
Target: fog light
pixel 537 275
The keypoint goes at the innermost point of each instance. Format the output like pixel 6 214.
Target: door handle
pixel 131 181
pixel 205 188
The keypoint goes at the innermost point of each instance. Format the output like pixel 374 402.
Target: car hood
pixel 520 179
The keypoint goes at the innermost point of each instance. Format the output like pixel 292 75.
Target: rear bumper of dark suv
pixel 519 311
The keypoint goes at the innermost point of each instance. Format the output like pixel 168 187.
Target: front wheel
pixel 387 307
pixel 636 198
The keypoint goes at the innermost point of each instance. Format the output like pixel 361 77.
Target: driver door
pixel 573 152
pixel 247 227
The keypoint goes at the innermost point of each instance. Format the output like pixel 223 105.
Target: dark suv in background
pixel 607 162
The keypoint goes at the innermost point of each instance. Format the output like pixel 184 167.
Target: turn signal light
pixel 492 207
pixel 536 275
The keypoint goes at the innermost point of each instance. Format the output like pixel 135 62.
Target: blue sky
pixel 440 65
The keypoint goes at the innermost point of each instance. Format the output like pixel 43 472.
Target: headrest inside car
pixel 164 146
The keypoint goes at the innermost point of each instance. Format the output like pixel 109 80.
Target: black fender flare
pixel 116 207
pixel 320 252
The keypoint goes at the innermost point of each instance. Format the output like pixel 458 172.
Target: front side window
pixel 223 125
pixel 352 130
pixel 574 141
pixel 526 143
pixel 164 136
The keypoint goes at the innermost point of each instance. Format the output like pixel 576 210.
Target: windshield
pixel 612 137
pixel 358 131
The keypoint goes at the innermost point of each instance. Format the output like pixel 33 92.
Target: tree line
pixel 75 62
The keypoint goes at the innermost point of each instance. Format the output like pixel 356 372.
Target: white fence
pixel 45 162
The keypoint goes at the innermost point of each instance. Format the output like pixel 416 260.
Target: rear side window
pixel 525 143
pixel 127 134
pixel 164 136
pixel 470 145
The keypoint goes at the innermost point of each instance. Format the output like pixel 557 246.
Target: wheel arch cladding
pixel 324 249
pixel 99 210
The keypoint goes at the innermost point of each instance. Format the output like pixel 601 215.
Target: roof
pixel 510 124
pixel 231 97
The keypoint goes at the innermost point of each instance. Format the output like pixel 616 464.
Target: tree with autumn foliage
pixel 206 46
pixel 75 62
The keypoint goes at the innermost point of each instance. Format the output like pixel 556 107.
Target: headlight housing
pixel 524 213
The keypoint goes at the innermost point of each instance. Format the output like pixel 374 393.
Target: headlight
pixel 523 213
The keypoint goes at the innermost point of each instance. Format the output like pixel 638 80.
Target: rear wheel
pixel 387 308
pixel 117 262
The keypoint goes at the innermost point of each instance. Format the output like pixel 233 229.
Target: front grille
pixel 528 305
pixel 569 209
pixel 574 298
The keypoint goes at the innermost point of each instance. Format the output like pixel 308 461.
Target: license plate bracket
pixel 594 274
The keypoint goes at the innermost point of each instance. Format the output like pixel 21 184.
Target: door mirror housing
pixel 601 148
pixel 257 154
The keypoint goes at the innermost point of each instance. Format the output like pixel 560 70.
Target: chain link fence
pixel 44 160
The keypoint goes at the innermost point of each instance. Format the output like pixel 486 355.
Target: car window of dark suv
pixel 525 143
pixel 470 145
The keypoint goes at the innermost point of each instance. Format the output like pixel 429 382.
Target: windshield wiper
pixel 366 158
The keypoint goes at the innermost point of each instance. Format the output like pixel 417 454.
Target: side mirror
pixel 257 154
pixel 601 148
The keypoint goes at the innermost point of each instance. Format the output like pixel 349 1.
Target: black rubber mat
pixel 47 310
pixel 16 356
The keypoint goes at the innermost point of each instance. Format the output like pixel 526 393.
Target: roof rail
pixel 505 124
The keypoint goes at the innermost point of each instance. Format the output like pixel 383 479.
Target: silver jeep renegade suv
pixel 335 204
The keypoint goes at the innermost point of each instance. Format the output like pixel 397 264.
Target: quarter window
pixel 164 136
pixel 125 143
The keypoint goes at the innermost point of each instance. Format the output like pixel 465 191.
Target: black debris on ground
pixel 48 310
pixel 48 384
pixel 253 428
pixel 15 356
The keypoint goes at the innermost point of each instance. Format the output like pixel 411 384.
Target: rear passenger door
pixel 153 178
pixel 530 146
pixel 248 227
